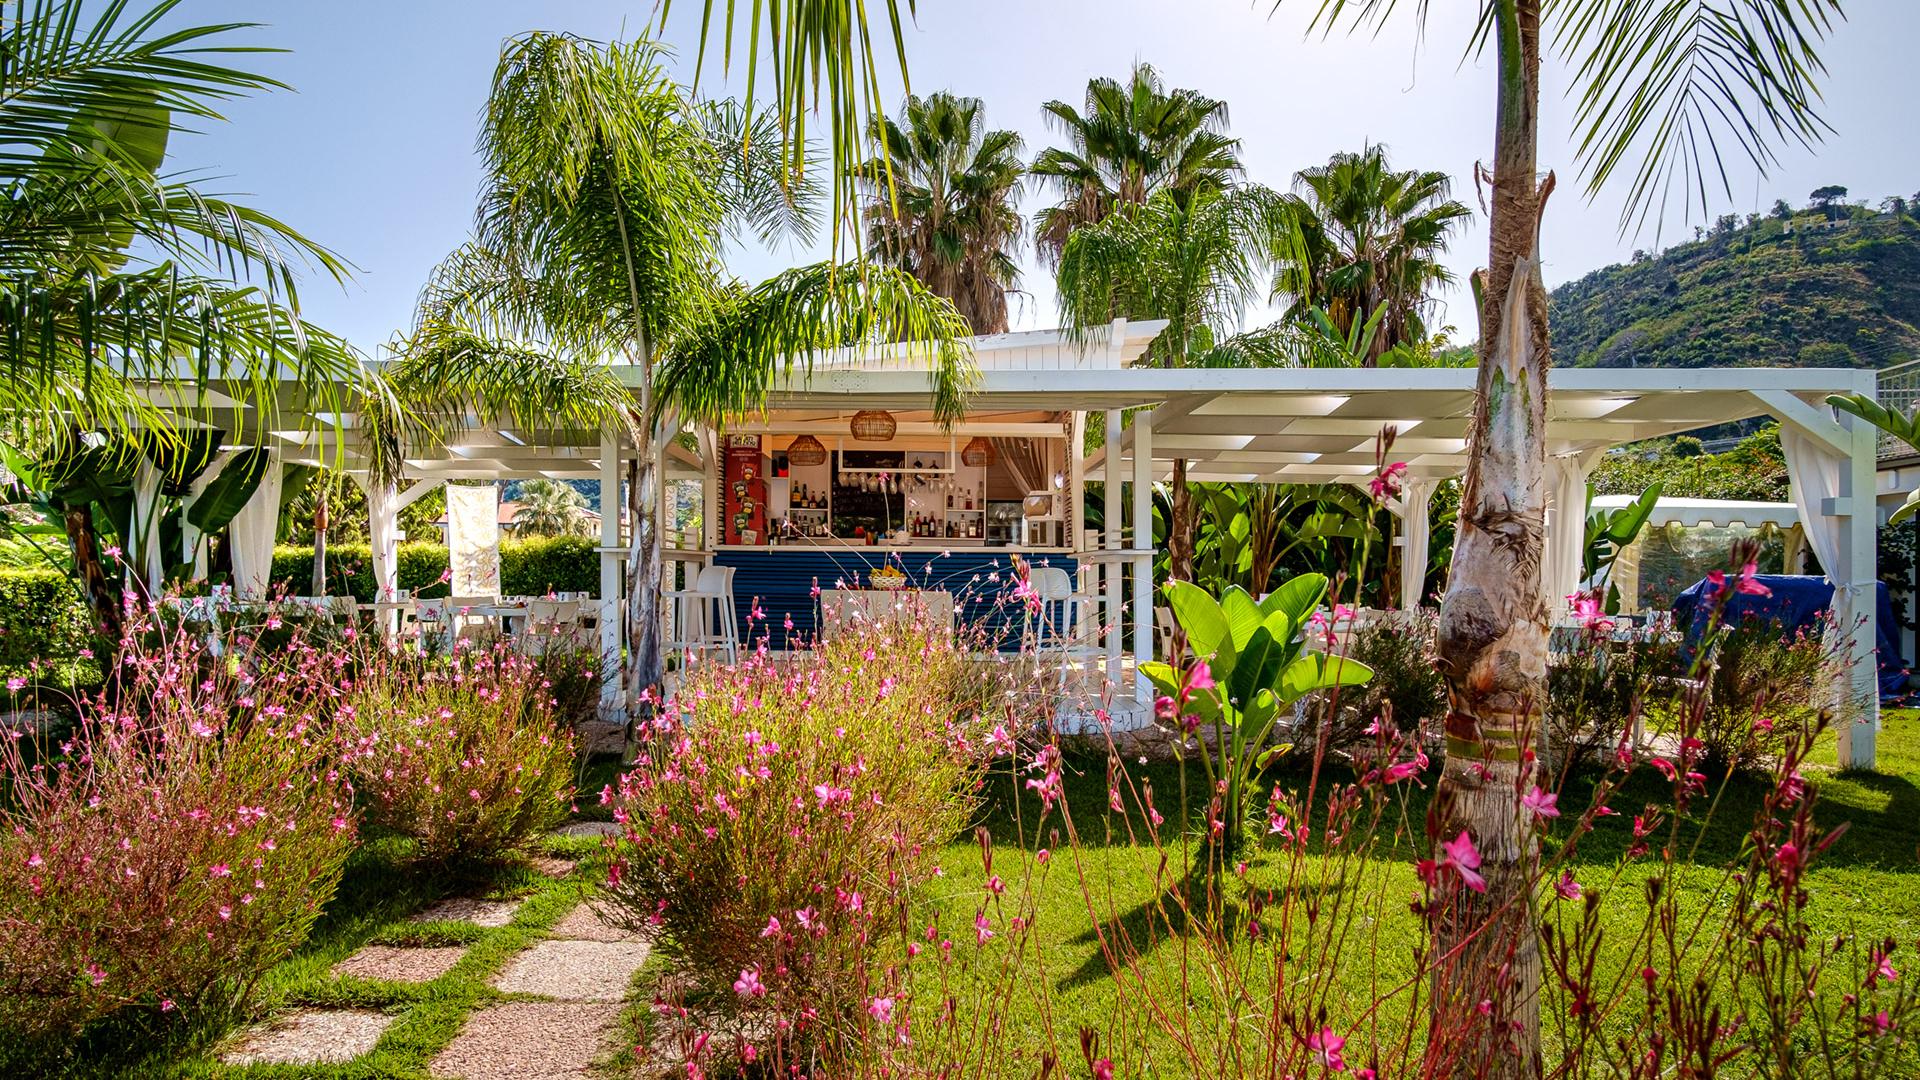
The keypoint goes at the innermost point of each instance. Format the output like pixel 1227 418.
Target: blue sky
pixel 372 151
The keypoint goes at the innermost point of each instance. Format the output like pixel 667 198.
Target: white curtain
pixel 191 549
pixel 252 532
pixel 146 522
pixel 1416 502
pixel 1561 564
pixel 383 522
pixel 473 539
pixel 1813 474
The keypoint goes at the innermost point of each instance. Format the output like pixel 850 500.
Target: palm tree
pixel 1133 139
pixel 549 508
pixel 1658 83
pixel 1363 238
pixel 1195 262
pixel 940 203
pixel 124 307
pixel 607 196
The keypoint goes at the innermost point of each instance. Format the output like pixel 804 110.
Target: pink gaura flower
pixel 1460 854
pixel 881 1009
pixel 1201 677
pixel 1568 888
pixel 1103 1069
pixel 16 684
pixel 748 985
pixel 982 929
pixel 1883 968
pixel 1542 804
pixel 219 870
pixel 1326 1047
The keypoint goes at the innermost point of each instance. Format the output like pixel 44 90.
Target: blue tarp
pixel 1797 602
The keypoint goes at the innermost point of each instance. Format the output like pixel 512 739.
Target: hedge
pixel 41 618
pixel 532 567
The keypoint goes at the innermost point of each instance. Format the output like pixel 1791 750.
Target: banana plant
pixel 1902 426
pixel 1247 662
pixel 1608 534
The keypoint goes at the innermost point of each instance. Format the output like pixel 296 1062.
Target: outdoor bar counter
pixel 786 581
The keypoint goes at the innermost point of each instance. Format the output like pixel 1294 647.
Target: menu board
pixel 746 491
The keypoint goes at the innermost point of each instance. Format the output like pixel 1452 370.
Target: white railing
pixel 1899 392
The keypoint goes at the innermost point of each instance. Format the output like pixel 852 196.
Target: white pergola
pixel 1266 425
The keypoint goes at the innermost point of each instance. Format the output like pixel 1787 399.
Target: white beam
pixel 1856 598
pixel 1142 542
pixel 1110 498
pixel 1815 421
pixel 414 490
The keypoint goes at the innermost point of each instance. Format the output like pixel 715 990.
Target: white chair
pixel 703 616
pixel 548 621
pixel 343 610
pixel 433 617
pixel 1059 625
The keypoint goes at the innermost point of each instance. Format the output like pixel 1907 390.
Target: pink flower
pixel 220 870
pixel 1881 1022
pixel 748 985
pixel 16 684
pixel 881 1009
pixel 1568 888
pixel 773 927
pixel 1403 770
pixel 1543 804
pixel 982 929
pixel 1201 677
pixel 1882 968
pixel 1103 1069
pixel 1460 854
pixel 1326 1047
pixel 1387 484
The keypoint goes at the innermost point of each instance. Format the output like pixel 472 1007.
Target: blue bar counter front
pixel 785 581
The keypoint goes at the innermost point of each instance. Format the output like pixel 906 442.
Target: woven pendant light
pixel 806 450
pixel 873 425
pixel 979 453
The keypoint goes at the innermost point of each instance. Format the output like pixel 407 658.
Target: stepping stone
pixel 528 1040
pixel 553 866
pixel 487 913
pixel 589 828
pixel 593 922
pixel 311 1037
pixel 595 737
pixel 574 970
pixel 399 964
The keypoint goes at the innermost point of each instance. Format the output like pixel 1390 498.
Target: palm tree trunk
pixel 1180 529
pixel 646 668
pixel 320 544
pixel 1492 635
pixel 102 597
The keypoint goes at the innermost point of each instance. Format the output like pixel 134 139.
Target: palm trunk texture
pixel 1492 635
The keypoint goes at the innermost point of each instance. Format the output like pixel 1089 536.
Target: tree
pixel 1133 139
pixel 606 197
pixel 940 204
pixel 1195 262
pixel 549 508
pixel 1829 196
pixel 1362 238
pixel 1781 211
pixel 1648 70
pixel 133 300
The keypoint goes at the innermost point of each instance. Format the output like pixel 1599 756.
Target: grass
pixel 1868 883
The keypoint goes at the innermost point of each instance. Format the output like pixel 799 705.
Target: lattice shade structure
pixel 806 450
pixel 978 453
pixel 873 425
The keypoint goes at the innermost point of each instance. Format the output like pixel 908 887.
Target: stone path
pixel 311 1037
pixel 569 970
pixel 400 964
pixel 487 913
pixel 528 1040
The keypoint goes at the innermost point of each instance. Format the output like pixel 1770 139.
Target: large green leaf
pixel 1243 615
pixel 1297 597
pixel 1203 622
pixel 1318 671
pixel 80 474
pixel 1255 661
pixel 182 460
pixel 229 491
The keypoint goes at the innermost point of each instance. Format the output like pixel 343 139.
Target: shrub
pixel 778 818
pixel 1763 684
pixel 1598 688
pixel 532 567
pixel 42 619
pixel 461 753
pixel 182 843
pixel 1398 646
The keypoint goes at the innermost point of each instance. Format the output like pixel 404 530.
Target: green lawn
pixel 1869 882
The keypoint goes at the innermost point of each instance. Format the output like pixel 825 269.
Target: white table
pixel 843 607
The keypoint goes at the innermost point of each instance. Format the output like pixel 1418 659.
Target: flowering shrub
pixel 1762 683
pixel 778 818
pixel 181 843
pixel 461 753
pixel 1597 688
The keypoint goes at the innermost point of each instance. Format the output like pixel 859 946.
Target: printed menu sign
pixel 746 491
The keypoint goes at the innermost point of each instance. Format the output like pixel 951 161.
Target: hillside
pixel 1834 285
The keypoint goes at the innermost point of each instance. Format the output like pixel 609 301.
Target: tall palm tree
pixel 1135 138
pixel 940 193
pixel 607 195
pixel 1195 262
pixel 132 298
pixel 1659 82
pixel 549 508
pixel 1363 238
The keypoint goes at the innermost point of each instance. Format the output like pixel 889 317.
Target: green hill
pixel 1833 285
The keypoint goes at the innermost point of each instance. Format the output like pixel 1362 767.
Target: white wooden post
pixel 1143 549
pixel 1855 581
pixel 610 607
pixel 1076 479
pixel 1110 498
